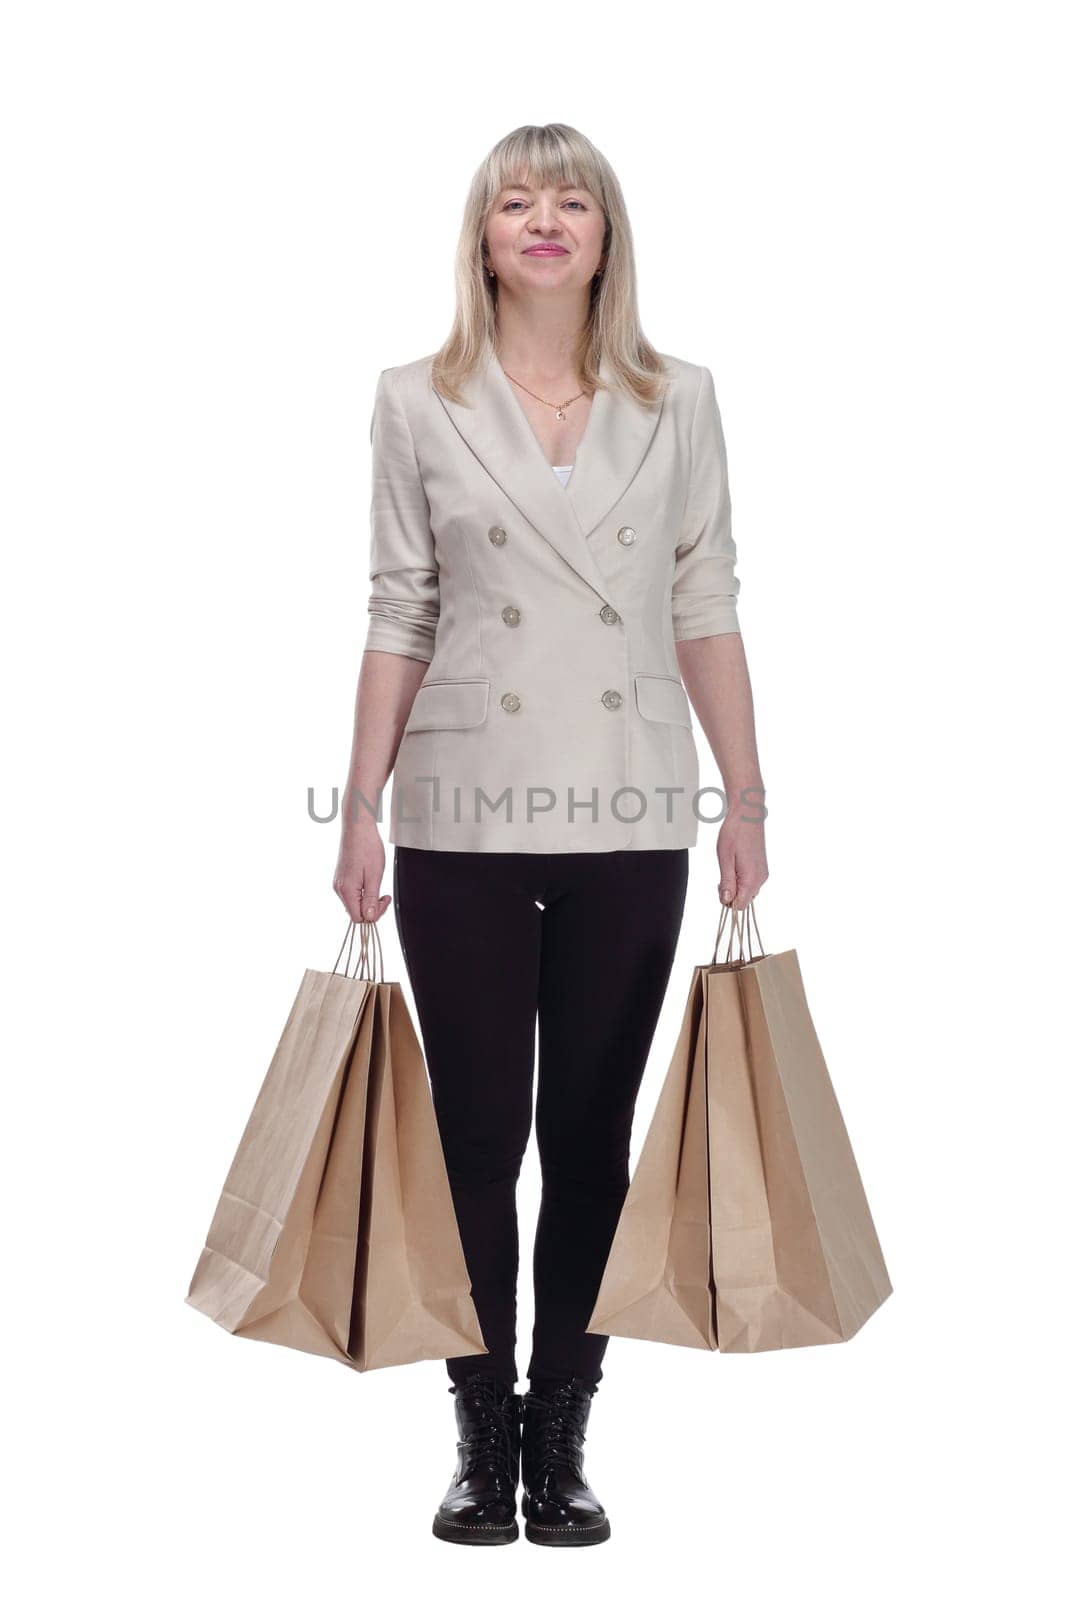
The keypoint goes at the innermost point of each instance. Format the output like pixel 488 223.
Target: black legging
pixel 487 966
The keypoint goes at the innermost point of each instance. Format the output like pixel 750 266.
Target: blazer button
pixel 512 616
pixel 510 702
pixel 608 614
pixel 626 535
pixel 612 699
pixel 497 535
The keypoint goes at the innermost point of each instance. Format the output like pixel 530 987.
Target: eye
pixel 576 203
pixel 511 203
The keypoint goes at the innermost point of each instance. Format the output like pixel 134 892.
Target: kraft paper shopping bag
pixel 335 1232
pixel 746 1226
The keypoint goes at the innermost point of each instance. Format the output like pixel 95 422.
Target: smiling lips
pixel 545 250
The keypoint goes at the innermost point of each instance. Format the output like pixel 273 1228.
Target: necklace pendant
pixel 561 414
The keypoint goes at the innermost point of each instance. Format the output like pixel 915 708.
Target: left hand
pixel 742 852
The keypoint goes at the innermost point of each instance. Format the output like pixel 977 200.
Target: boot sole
pixel 568 1538
pixel 473 1533
pixel 565 1538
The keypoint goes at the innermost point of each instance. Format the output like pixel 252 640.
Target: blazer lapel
pixel 616 439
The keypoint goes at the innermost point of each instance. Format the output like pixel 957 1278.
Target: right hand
pixel 358 875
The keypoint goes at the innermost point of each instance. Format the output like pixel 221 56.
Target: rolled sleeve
pixel 705 588
pixel 404 603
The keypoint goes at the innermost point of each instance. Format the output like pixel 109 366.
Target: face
pixel 539 240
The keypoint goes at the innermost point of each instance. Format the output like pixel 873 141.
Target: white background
pixel 222 221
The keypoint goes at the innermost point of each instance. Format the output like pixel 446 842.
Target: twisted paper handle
pixel 370 952
pixel 741 923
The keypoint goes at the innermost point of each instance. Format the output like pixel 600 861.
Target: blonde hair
pixel 553 155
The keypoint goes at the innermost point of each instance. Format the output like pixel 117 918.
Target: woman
pixel 552 574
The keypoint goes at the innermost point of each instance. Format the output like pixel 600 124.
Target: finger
pixel 727 889
pixel 377 911
pixel 749 888
pixel 370 900
pixel 353 899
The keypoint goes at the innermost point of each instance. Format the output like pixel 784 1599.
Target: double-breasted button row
pixel 513 616
pixel 497 535
pixel 611 698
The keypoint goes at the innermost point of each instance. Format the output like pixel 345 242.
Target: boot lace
pixel 560 1438
pixel 489 1438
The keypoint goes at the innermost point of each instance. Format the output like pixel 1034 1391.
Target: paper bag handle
pixel 370 954
pixel 742 923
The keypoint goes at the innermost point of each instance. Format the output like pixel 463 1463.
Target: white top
pixel 563 473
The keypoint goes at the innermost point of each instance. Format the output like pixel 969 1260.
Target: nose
pixel 543 220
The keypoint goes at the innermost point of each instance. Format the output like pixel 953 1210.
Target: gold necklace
pixel 560 409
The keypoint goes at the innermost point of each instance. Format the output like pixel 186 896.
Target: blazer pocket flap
pixel 449 703
pixel 662 699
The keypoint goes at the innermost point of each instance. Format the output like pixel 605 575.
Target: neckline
pixel 594 406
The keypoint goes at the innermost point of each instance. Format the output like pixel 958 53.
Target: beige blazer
pixel 552 716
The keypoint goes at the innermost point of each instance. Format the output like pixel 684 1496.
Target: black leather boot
pixel 559 1506
pixel 479 1507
